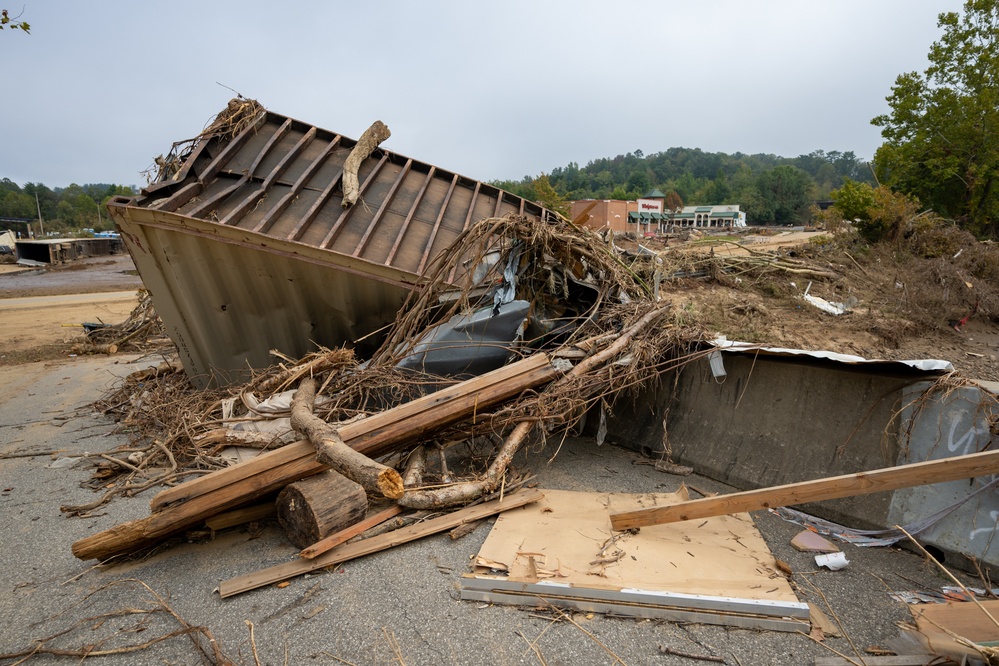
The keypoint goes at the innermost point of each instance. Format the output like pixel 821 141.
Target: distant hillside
pixel 769 188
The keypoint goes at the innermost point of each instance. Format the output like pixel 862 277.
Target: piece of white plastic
pixel 833 561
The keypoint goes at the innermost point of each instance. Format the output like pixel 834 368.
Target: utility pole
pixel 38 206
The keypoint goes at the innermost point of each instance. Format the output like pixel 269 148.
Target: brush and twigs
pixel 550 262
pixel 751 263
pixel 633 355
pixel 153 613
pixel 240 113
pixel 616 336
pixel 177 431
pixel 142 330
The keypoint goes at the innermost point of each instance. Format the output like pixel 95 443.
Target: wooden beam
pixel 350 551
pixel 334 540
pixel 885 660
pixel 847 485
pixel 584 215
pixel 369 435
pixel 241 516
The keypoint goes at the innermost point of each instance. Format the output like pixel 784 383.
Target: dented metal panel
pixel 248 249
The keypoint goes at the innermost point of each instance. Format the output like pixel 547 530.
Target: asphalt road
pixel 396 607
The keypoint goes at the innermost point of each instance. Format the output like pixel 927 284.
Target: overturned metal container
pixel 246 248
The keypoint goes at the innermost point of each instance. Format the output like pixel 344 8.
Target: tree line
pixel 63 209
pixel 771 189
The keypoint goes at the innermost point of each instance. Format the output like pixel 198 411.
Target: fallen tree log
pixel 176 509
pixel 847 485
pixel 366 145
pixel 332 452
pixel 379 433
pixel 314 508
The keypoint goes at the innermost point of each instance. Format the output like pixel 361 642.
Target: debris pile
pixel 142 331
pixel 592 334
pixel 515 330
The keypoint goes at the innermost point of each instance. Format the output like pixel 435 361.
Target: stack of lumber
pixel 177 509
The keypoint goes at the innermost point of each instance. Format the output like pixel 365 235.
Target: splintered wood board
pixel 718 566
pixel 964 618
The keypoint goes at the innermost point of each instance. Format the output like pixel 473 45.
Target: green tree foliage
pixel 940 136
pixel 888 217
pixel 547 196
pixel 697 177
pixel 12 23
pixel 784 194
pixel 854 200
pixel 68 209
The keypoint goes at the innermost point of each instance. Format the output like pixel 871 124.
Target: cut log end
pixel 390 483
pixel 314 508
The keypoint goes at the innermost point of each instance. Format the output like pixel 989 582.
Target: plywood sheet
pixel 965 619
pixel 567 538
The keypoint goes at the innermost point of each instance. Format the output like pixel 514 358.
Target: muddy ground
pixel 42 310
pixel 85 276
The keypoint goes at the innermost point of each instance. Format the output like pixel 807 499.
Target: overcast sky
pixel 495 90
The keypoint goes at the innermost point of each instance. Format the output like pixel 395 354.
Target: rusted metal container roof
pixel 246 248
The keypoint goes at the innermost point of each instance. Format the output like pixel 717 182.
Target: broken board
pixel 561 550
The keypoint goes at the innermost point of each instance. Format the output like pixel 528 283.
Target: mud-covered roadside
pixel 42 310
pixel 84 276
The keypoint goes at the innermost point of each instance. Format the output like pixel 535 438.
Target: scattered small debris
pixel 832 561
pixel 809 542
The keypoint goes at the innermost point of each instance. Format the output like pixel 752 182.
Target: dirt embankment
pixel 42 310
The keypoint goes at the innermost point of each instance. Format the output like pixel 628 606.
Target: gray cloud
pixel 491 90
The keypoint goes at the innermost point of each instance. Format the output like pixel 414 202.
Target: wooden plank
pixel 417 200
pixel 458 400
pixel 965 619
pixel 248 203
pixel 235 486
pixel 218 198
pixel 268 219
pixel 242 516
pixel 702 602
pixel 847 485
pixel 303 224
pixel 260 463
pixel 386 202
pixel 821 621
pixel 883 660
pixel 350 551
pixel 135 534
pixel 437 225
pixel 624 609
pixel 334 540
